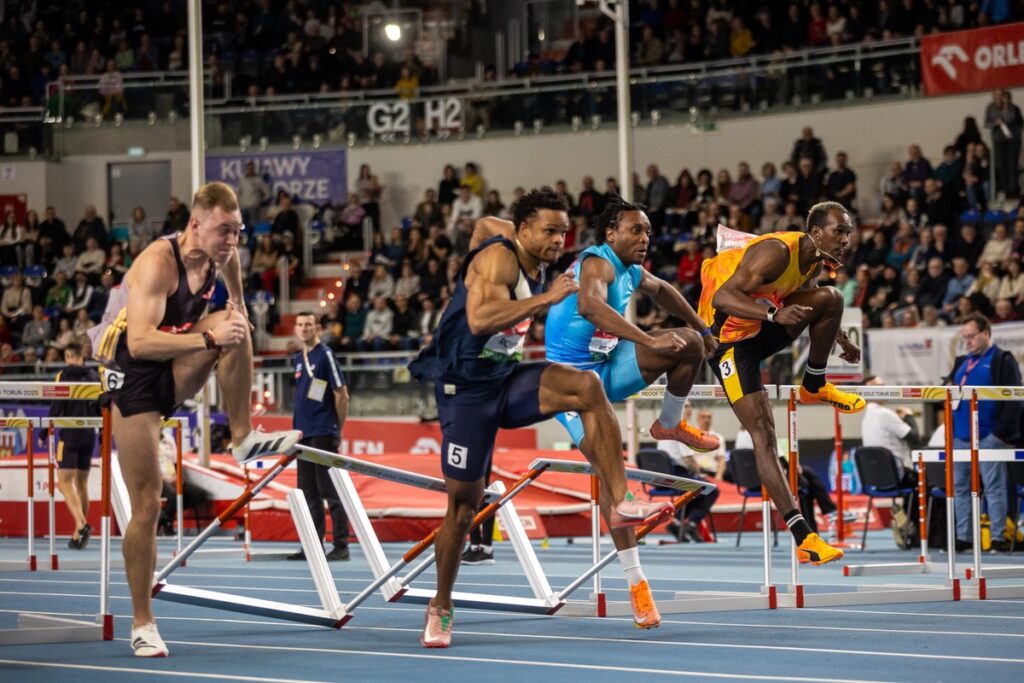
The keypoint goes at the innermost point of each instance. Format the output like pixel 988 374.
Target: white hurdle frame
pixel 386 574
pixel 793 595
pixel 682 602
pixel 44 629
pixel 332 612
pixel 978 586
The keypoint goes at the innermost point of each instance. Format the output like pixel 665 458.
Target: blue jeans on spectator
pixel 993 479
pixel 377 344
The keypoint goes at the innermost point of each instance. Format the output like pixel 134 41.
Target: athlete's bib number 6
pixel 726 367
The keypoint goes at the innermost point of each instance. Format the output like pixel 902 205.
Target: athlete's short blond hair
pixel 213 195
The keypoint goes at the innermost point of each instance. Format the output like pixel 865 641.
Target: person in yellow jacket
pixel 757 299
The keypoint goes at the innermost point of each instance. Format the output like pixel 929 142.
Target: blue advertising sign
pixel 315 176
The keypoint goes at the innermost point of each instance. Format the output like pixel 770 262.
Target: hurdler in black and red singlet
pixel 147 385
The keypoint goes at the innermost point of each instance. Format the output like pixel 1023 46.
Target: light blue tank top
pixel 568 336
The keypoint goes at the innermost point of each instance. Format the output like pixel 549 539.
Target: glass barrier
pixel 698 94
pixel 23 132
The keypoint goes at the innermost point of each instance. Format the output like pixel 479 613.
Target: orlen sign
pixel 968 61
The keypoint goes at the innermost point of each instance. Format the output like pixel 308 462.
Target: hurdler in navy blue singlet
pixel 479 382
pixel 148 385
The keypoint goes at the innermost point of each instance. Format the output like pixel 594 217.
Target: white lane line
pixel 684 643
pixel 286 624
pixel 516 662
pixel 153 672
pixel 922 614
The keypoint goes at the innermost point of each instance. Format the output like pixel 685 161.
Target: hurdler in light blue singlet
pixel 572 339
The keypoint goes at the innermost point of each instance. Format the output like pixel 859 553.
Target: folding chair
pixel 879 477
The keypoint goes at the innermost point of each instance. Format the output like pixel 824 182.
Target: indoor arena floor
pixel 942 641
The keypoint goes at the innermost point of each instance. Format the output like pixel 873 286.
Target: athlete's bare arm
pixel 595 276
pixel 489 306
pixel 152 278
pixel 763 263
pixel 488 227
pixel 232 272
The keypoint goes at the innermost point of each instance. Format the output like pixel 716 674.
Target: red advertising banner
pixel 969 61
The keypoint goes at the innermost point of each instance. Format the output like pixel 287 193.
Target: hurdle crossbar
pixel 794 595
pixel 37 628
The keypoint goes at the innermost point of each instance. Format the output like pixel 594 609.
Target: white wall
pixel 27 178
pixel 72 183
pixel 872 135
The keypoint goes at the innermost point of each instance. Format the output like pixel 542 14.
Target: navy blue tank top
pixel 183 309
pixel 456 355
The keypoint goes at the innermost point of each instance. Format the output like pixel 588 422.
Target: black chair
pixel 879 477
pixel 748 482
pixel 935 483
pixel 659 461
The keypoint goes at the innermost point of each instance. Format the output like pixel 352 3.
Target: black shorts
pixel 74 456
pixel 142 387
pixel 471 416
pixel 738 365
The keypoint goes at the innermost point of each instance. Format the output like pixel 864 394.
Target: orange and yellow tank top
pixel 715 271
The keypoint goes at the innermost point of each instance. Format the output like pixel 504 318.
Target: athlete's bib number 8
pixel 726 367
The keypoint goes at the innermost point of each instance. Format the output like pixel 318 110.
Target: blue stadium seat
pixel 993 216
pixel 6 273
pixel 972 216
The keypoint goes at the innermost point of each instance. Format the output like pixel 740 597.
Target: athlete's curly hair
pixel 534 201
pixel 609 218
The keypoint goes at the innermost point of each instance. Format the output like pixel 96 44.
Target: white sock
pixel 488 550
pixel 671 410
pixel 630 560
pixel 474 547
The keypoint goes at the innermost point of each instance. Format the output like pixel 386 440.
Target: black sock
pixel 797 525
pixel 814 377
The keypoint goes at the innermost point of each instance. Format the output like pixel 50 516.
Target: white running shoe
pixel 259 443
pixel 146 642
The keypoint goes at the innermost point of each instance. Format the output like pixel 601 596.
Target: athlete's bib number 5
pixel 726 368
pixel 457 456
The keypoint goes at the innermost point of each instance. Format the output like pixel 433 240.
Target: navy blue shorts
pixel 471 416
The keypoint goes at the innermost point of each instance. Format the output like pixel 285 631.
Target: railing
pixel 697 92
pixel 146 96
pixel 694 91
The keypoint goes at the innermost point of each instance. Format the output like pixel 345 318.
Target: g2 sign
pixel 386 119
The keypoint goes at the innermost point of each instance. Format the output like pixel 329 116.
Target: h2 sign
pixel 386 119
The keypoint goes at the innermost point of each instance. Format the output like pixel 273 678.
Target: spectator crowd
pixel 273 47
pixel 936 241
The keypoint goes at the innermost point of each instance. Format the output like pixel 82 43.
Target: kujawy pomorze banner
pixel 968 61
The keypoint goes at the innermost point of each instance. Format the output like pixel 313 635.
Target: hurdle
pixel 977 586
pixel 331 613
pixel 681 602
pixel 39 628
pixel 923 564
pixel 30 563
pixel 597 605
pixel 794 595
pixel 386 574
